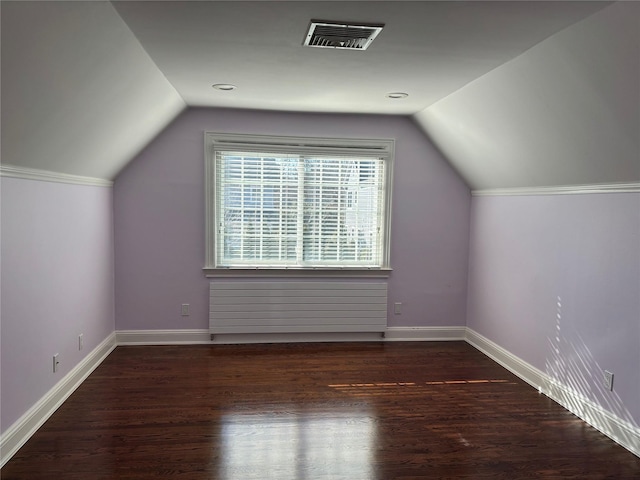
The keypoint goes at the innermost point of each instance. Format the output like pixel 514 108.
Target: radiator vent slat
pixel 348 36
pixel 297 307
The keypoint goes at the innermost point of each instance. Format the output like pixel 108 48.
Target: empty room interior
pixel 427 207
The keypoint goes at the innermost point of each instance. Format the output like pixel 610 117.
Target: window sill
pixel 318 272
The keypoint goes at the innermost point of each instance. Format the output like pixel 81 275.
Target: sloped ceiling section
pixel 427 48
pixel 83 92
pixel 79 93
pixel 566 112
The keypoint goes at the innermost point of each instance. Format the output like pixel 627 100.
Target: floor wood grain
pixel 356 411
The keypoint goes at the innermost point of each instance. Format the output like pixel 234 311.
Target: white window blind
pixel 300 204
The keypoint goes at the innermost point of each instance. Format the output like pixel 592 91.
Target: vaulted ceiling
pixel 513 93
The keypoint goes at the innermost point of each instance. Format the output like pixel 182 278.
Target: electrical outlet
pixel 397 308
pixel 80 342
pixel 185 310
pixel 608 380
pixel 56 362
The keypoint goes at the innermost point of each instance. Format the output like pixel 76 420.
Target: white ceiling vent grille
pixel 348 36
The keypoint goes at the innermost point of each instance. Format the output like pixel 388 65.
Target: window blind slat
pixel 279 208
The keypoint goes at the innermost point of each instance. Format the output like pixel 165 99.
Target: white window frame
pixel 382 148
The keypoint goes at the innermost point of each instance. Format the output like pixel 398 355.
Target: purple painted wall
pixel 159 219
pixel 57 282
pixel 556 281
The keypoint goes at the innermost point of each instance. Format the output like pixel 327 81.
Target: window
pixel 297 203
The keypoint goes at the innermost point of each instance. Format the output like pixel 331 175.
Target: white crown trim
pixel 48 176
pixel 633 187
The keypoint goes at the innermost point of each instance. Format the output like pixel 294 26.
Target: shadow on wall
pixel 576 381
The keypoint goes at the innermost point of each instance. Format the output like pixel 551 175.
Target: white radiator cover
pixel 297 307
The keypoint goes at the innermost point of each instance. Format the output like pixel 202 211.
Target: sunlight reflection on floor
pixel 397 389
pixel 294 445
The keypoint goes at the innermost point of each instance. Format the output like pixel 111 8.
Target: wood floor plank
pixel 369 411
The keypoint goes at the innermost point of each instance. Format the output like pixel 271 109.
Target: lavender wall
pixel 556 281
pixel 57 282
pixel 159 219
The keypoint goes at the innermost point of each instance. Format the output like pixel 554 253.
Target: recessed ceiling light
pixel 397 95
pixel 224 87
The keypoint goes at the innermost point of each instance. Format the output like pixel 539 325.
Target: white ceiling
pixel 513 93
pixel 426 49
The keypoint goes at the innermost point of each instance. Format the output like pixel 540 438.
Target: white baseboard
pixel 620 431
pixel 163 337
pixel 297 337
pixel 617 429
pixel 202 336
pixel 18 433
pixel 425 334
pixel 534 377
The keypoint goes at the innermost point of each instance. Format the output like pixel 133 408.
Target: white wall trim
pixel 515 365
pixel 215 143
pixel 22 430
pixel 284 273
pixel 620 431
pixel 633 187
pixel 163 337
pixel 47 176
pixel 202 336
pixel 425 334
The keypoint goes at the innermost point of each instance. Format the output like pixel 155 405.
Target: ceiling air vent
pixel 347 36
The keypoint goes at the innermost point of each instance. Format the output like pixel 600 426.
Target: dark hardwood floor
pixel 370 411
